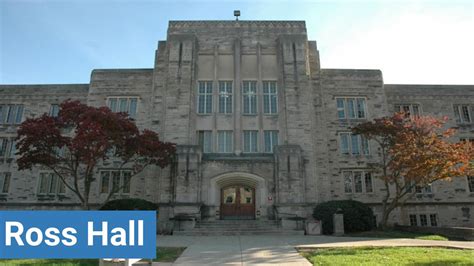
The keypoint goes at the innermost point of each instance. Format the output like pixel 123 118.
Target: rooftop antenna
pixel 237 14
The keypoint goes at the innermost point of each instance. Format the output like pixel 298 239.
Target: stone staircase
pixel 237 227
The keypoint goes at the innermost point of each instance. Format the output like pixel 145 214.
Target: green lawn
pixel 163 254
pixel 399 234
pixel 390 256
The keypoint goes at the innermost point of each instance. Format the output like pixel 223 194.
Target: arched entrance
pixel 238 195
pixel 237 202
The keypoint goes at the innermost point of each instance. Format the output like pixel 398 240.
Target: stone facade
pixel 306 166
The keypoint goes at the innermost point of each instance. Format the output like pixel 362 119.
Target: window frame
pixel 352 182
pixel 355 107
pixel 225 95
pixel 267 93
pixel 201 141
pixel 253 137
pixel 118 99
pixel 228 134
pixel 53 112
pixel 249 100
pixel 7 118
pixel 273 139
pixel 470 183
pixel 58 183
pixel 110 181
pixel 459 115
pixel 5 178
pixel 205 94
pixel 360 141
pixel 399 107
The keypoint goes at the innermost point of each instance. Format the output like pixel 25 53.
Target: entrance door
pixel 238 202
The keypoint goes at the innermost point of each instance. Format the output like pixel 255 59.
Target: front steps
pixel 237 227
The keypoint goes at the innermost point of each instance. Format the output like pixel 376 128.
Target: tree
pixel 82 138
pixel 414 152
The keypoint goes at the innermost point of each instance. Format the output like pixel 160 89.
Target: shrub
pixel 358 217
pixel 130 204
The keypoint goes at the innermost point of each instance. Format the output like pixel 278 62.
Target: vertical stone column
pixel 187 184
pixel 289 175
pixel 237 95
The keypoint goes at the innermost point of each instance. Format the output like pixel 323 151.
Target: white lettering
pixel 131 228
pixel 122 235
pixel 140 232
pixel 69 233
pixel 51 235
pixel 39 236
pixel 9 234
pixel 92 233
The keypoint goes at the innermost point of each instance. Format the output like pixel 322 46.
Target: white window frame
pixel 355 109
pixel 459 114
pixel 271 96
pixel 273 140
pixel 400 107
pixel 252 137
pixel 118 99
pixel 429 220
pixel 7 146
pixel 250 95
pixel 110 182
pixel 201 134
pixel 206 94
pixel 5 181
pixel 226 97
pixel 228 136
pixel 363 174
pixel 350 150
pixel 54 110
pixel 5 114
pixel 49 182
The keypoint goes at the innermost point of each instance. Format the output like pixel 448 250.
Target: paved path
pixel 274 250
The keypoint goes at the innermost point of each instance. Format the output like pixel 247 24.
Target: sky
pixel 62 41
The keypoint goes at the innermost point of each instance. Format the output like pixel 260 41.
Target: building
pixel 261 129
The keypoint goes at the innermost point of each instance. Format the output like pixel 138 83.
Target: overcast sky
pixel 418 42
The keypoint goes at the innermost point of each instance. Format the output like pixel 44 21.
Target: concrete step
pixel 237 232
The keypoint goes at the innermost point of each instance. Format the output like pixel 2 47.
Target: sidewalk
pixel 274 250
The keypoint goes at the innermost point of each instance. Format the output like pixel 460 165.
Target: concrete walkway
pixel 274 250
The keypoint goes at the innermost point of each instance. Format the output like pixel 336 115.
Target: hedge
pixel 130 204
pixel 358 217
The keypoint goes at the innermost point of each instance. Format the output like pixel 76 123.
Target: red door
pixel 238 202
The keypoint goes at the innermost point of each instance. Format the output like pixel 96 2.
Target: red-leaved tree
pixel 81 138
pixel 414 152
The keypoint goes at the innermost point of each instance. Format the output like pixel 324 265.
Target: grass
pixel 390 256
pixel 168 254
pixel 400 234
pixel 163 254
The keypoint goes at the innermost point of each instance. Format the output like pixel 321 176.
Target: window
pixel 225 97
pixel 205 140
pixel 423 220
pixel 470 183
pixel 408 109
pixel 353 144
pixel 249 96
pixel 250 141
pixel 204 97
pixel 413 220
pixel 433 219
pixel 51 184
pixel 54 110
pixel 350 108
pixel 7 148
pixel 225 143
pixel 115 180
pixel 271 140
pixel 424 189
pixel 463 113
pixel 11 114
pixel 357 182
pixel 270 97
pixel 4 182
pixel 124 105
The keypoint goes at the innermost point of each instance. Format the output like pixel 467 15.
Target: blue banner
pixel 77 234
